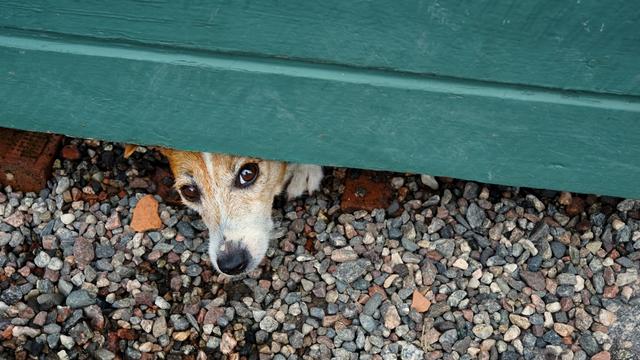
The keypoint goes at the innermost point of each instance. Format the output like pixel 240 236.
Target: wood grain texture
pixel 326 114
pixel 589 45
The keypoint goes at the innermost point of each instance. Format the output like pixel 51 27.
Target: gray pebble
pixel 79 298
pixel 348 272
pixel 588 344
pixel 269 324
pixel 475 215
pixel 42 259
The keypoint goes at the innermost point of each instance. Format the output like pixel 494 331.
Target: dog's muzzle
pixel 232 258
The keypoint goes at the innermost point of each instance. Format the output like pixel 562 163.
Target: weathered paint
pixel 327 114
pixel 587 45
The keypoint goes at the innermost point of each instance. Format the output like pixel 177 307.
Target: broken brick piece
pixel 365 191
pixel 70 152
pixel 26 158
pixel 419 302
pixel 145 215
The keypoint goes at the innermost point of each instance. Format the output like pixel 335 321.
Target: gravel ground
pixel 469 271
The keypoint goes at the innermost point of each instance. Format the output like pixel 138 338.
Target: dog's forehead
pixel 206 164
pixel 217 164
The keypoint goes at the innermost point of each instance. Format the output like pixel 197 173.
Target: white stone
pixel 579 286
pixel 55 264
pixel 461 264
pixel 512 333
pixel 42 259
pixel 617 224
pixel 67 341
pixel 553 307
pixel 67 218
pixel 162 303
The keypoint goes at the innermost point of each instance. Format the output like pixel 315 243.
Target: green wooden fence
pixel 542 93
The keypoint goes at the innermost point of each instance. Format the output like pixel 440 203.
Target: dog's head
pixel 234 196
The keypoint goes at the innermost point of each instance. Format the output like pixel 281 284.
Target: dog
pixel 234 196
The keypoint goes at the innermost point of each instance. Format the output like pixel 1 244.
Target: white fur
pixel 208 162
pixel 252 232
pixel 215 239
pixel 304 178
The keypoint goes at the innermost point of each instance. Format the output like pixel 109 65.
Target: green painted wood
pixel 590 45
pixel 326 114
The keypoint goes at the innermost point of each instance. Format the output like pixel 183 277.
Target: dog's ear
pixel 164 151
pixel 129 150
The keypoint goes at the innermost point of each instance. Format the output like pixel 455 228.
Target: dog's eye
pixel 247 175
pixel 190 192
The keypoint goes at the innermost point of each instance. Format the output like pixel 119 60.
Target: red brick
pixel 26 158
pixel 365 191
pixel 70 152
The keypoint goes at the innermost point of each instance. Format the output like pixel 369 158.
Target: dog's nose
pixel 233 260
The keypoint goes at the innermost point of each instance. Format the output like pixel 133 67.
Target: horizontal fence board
pixel 589 45
pixel 325 114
